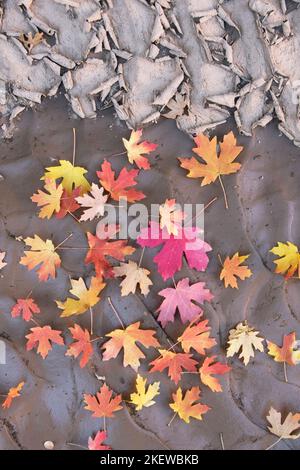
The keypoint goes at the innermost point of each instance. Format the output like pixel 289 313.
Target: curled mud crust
pixel 197 62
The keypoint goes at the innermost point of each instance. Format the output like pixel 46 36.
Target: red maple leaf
pixel 175 362
pixel 120 187
pixel 169 259
pixel 97 442
pixel 68 203
pixel 82 344
pixel 100 248
pixel 26 308
pixel 40 337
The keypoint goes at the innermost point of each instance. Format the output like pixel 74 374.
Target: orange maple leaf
pixel 103 405
pixel 127 340
pixel 25 307
pixel 175 362
pixel 287 353
pixel 41 337
pixel 42 254
pixel 210 368
pixel 49 201
pixel 82 344
pixel 136 149
pixel 214 166
pixel 100 248
pixel 197 336
pixel 120 187
pixel 13 393
pixel 232 269
pixel 186 407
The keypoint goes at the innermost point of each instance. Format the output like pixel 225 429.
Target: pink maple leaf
pixel 97 442
pixel 169 259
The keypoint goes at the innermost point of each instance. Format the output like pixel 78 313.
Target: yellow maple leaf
pixel 186 406
pixel 71 176
pixel 289 259
pixel 134 275
pixel 86 298
pixel 42 254
pixel 50 202
pixel 244 338
pixel 142 397
pixel 232 269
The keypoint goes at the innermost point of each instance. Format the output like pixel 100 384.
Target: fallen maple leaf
pixel 181 297
pixel 12 393
pixel 2 262
pixel 103 405
pixel 245 338
pixel 25 307
pixel 82 345
pixel 177 106
pixel 288 353
pixel 285 430
pixel 68 203
pixel 95 203
pixel 86 298
pixel 42 254
pixel 197 336
pixel 187 407
pixel 209 368
pixel 71 176
pixel 142 397
pixel 136 149
pixel 40 337
pixel 170 216
pixel 174 362
pixel 127 340
pixel 214 166
pixel 49 201
pixel 169 259
pixel 97 442
pixel 134 276
pixel 100 248
pixel 289 259
pixel 120 187
pixel 29 41
pixel 232 269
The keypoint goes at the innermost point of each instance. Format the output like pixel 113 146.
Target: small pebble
pixel 49 445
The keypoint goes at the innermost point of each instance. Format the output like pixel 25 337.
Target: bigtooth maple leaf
pixel 82 345
pixel 103 405
pixel 232 269
pixel 25 307
pixel 68 203
pixel 209 368
pixel 288 261
pixel 42 254
pixel 174 362
pixel 42 337
pixel 214 166
pixel 120 187
pixel 71 176
pixel 2 262
pixel 100 248
pixel 197 336
pixel 181 297
pixel 288 353
pixel 171 217
pixel 134 276
pixel 244 338
pixel 95 203
pixel 169 259
pixel 96 443
pixel 86 298
pixel 13 392
pixel 127 340
pixel 49 201
pixel 142 397
pixel 285 429
pixel 136 149
pixel 186 407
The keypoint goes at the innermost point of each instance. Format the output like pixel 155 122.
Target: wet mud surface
pixel 264 200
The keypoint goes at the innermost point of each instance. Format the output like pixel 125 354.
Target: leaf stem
pixel 92 321
pixel 76 445
pixel 141 257
pixel 222 441
pixel 171 421
pixel 224 192
pixel 285 372
pixel 273 445
pixel 61 243
pixel 74 216
pixel 74 146
pixel 115 312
